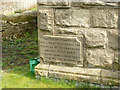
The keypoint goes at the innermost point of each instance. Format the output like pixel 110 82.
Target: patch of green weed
pixel 33 52
pixel 34 9
pixel 4 64
pixel 23 53
pixel 19 48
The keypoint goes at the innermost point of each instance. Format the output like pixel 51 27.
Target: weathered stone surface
pixel 96 37
pixel 66 30
pixel 42 32
pixel 109 74
pixel 113 38
pixel 110 77
pixel 100 58
pixel 64 49
pixel 68 17
pixel 109 81
pixel 93 75
pixel 42 72
pixel 77 77
pixel 53 2
pixel 116 62
pixel 46 19
pixel 75 70
pixel 104 17
pixel 85 3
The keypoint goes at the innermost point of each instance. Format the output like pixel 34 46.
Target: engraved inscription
pixel 60 49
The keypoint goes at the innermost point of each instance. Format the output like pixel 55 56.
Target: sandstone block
pixel 100 58
pixel 96 38
pixel 116 62
pixel 109 74
pixel 74 70
pixel 109 77
pixel 46 19
pixel 66 30
pixel 53 2
pixel 68 17
pixel 42 72
pixel 78 77
pixel 89 4
pixel 93 75
pixel 105 17
pixel 108 81
pixel 113 38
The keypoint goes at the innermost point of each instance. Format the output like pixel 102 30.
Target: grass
pixel 20 77
pixel 34 9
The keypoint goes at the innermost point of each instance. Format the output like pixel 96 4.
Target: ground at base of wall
pixel 20 77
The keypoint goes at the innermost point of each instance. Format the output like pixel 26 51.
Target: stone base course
pixel 93 75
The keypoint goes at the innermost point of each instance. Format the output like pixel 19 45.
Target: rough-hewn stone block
pixel 100 58
pixel 66 30
pixel 113 38
pixel 46 19
pixel 96 37
pixel 53 2
pixel 42 72
pixel 109 74
pixel 106 17
pixel 109 77
pixel 68 17
pixel 116 62
pixel 109 81
pixel 89 4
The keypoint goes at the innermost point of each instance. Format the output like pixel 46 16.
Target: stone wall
pixel 15 26
pixel 97 24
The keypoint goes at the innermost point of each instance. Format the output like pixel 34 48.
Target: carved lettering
pixel 64 49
